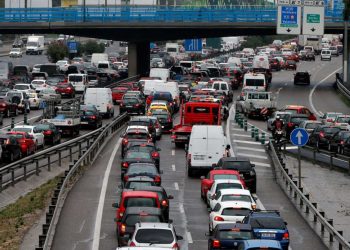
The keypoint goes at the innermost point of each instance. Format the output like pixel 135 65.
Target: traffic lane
pixel 32 116
pixel 29 60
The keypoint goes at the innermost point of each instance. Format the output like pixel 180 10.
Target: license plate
pixel 162 126
pixel 181 137
pixel 199 157
pixel 84 123
pixel 268 235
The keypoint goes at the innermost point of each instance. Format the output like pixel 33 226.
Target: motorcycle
pixel 278 134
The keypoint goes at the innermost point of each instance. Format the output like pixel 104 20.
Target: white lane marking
pixel 181 208
pixel 189 238
pixel 259 203
pixel 314 88
pixel 98 220
pixel 228 136
pixel 251 149
pixel 8 126
pixel 248 142
pixel 253 156
pixel 173 167
pixel 321 113
pixel 261 164
pixel 291 147
pixel 241 135
pixel 236 129
pixel 173 152
pixel 176 186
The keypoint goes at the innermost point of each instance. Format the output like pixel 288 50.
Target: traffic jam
pixel 190 102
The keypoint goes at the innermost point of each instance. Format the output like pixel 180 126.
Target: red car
pixel 7 107
pixel 66 89
pixel 118 93
pixel 297 109
pixel 135 199
pixel 293 57
pixel 26 142
pixel 217 174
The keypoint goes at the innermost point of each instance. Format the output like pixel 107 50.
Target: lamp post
pixel 346 41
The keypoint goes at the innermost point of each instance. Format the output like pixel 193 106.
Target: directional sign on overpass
pixel 299 137
pixel 289 20
pixel 313 20
pixel 193 45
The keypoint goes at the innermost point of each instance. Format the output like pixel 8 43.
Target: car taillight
pixel 125 141
pixel 342 142
pixel 69 88
pixel 126 178
pixel 157 125
pixel 216 243
pixel 121 104
pixel 47 132
pixel 329 120
pixel 137 105
pixel 173 137
pixel 122 229
pixel 93 117
pixel 322 134
pixel 175 246
pixel 157 179
pixel 169 119
pixel 132 244
pixel 155 155
pixel 218 218
pixel 164 203
pixel 290 124
pixel 125 164
pixel 286 236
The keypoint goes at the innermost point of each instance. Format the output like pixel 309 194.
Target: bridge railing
pixel 151 14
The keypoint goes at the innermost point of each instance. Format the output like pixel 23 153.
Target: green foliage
pixel 215 43
pixel 57 51
pixel 258 41
pixel 91 47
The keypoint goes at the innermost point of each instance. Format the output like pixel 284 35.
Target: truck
pixel 98 57
pixel 66 118
pixel 256 104
pixel 35 45
pixel 195 113
pixel 172 49
pixel 261 65
pixel 310 40
pixel 105 72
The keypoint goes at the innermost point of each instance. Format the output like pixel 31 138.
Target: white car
pixel 63 64
pixel 326 54
pixel 16 52
pixel 27 88
pixel 155 234
pixel 36 68
pixel 40 84
pixel 232 195
pixel 222 184
pixel 342 121
pixel 31 130
pixel 34 100
pixel 228 212
pixel 329 117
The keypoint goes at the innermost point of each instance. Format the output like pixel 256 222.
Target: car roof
pixel 132 193
pixel 263 243
pixel 223 171
pixel 235 159
pixel 227 181
pixel 226 226
pixel 157 225
pixel 151 189
pixel 235 191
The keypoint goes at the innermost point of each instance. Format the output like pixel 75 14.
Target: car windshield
pixel 16 50
pixel 130 101
pixel 312 125
pixel 137 169
pixel 160 116
pixel 231 211
pixel 118 90
pixel 12 94
pixel 235 234
pixel 132 219
pixel 141 148
pixel 237 165
pixel 154 236
pixel 18 136
pixel 42 127
pixel 75 78
pixel 225 177
pixel 138 184
pixel 267 222
pixel 331 130
pixel 88 112
pixel 343 120
pixel 22 87
pixel 298 120
pixel 140 202
pixel 221 186
pixel 137 136
pixel 236 197
pixel 254 82
pixel 137 154
pixel 28 130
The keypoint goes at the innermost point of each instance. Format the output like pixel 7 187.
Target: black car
pixel 143 169
pixel 138 182
pixel 11 149
pixel 275 64
pixel 52 135
pixel 243 166
pixel 132 105
pixel 165 119
pixel 229 236
pixel 132 215
pixel 145 147
pixel 292 121
pixel 322 135
pixel 163 199
pixel 337 141
pixel 90 117
pixel 144 121
pixel 302 78
pixel 135 156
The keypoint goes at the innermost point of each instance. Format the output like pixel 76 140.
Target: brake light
pixel 216 243
pixel 164 203
pixel 121 104
pixel 342 142
pixel 47 132
pixel 122 229
pixel 290 124
pixel 175 246
pixel 126 178
pixel 218 218
pixel 286 236
pixel 125 141
pixel 157 179
pixel 132 244
pixel 8 142
pixel 137 105
pixel 169 119
pixel 125 164
pixel 173 137
pixel 329 120
pixel 155 155
pixel 93 117
pixel 69 88
pixel 322 134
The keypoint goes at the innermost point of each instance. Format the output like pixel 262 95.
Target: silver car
pixel 309 126
pixel 329 117
pixel 50 95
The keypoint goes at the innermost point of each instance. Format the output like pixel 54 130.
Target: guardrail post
pixel 256 134
pixel 349 167
pixel 330 221
pixel 307 208
pixel 48 162
pixel 59 158
pixel 37 167
pixel 262 138
pixel 0 183
pixel 79 149
pixel 24 171
pixel 70 154
pixel 12 122
pixel 314 155
pixel 331 160
pixel 340 245
pixel 252 130
pixel 315 216
pixel 12 177
pixel 245 124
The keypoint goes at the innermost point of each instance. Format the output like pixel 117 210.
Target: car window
pixel 132 219
pixel 235 234
pixel 155 236
pixel 236 197
pixel 221 186
pixel 225 177
pixel 137 136
pixel 237 165
pixel 140 202
pixel 217 207
pixel 267 222
pixel 138 184
pixel 230 211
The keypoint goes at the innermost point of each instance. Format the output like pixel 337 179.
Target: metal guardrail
pixel 342 88
pixel 291 188
pixel 227 14
pixel 71 176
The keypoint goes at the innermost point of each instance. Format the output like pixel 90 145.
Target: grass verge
pixel 344 98
pixel 16 219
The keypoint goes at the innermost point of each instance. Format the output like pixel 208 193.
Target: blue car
pixel 229 236
pixel 268 225
pixel 260 244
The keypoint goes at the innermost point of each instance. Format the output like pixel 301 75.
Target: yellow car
pixel 158 109
pixel 160 105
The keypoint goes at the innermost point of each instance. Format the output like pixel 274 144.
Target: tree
pixel 57 51
pixel 215 43
pixel 91 47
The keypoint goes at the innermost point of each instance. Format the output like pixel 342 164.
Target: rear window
pixel 132 219
pixel 236 197
pixel 232 234
pixel 134 169
pixel 138 184
pixel 221 186
pixel 292 111
pixel 237 165
pixel 343 120
pixel 154 236
pixel 268 223
pixel 298 120
pixel 203 110
pixel 312 125
pixel 331 130
pixel 235 211
pixel 137 136
pixel 75 78
pixel 130 101
pixel 140 202
pixel 137 154
pixel 255 82
pixel 225 177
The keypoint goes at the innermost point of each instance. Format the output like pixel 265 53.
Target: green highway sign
pixel 313 18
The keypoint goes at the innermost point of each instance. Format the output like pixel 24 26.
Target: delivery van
pixel 102 99
pixel 163 74
pixel 79 82
pixel 253 81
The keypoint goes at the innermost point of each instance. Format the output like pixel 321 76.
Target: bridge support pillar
pixel 139 58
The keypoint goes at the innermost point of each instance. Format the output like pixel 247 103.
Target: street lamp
pixel 346 14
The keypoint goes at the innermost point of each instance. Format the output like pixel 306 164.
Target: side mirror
pixel 115 205
pixel 202 177
pixel 170 197
pixel 252 165
pixel 179 237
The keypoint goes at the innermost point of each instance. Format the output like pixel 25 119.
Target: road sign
pixel 299 137
pixel 72 47
pixel 313 20
pixel 283 2
pixel 289 20
pixel 193 45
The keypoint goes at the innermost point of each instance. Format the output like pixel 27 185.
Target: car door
pixel 39 136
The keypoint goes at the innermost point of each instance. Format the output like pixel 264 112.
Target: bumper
pixel 130 110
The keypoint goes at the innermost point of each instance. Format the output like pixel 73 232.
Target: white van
pixel 206 146
pixel 152 85
pixel 252 81
pixel 261 61
pixel 162 73
pixel 102 99
pixel 234 60
pixel 79 82
pixel 326 54
pixel 221 86
pixel 187 64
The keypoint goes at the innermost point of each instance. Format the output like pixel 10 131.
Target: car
pixel 309 126
pixel 322 135
pixel 293 121
pixel 138 182
pixel 135 156
pixel 21 99
pixel 334 50
pixel 135 199
pixel 328 118
pixel 40 84
pixel 217 174
pixel 243 166
pixel 33 131
pixel 10 148
pixel 342 121
pixel 8 107
pixel 228 212
pixel 155 234
pixel 260 244
pixel 290 64
pixel 131 217
pixel 90 117
pixel 132 106
pixel 25 141
pixel 16 52
pixel 229 236
pixel 268 225
pixel 302 78
pixel 272 118
pixel 160 104
pixel 134 133
pixel 118 93
pixel 25 87
pixel 50 96
pixel 337 141
pixel 232 195
pixel 65 89
pixel 165 96
pixel 142 169
pixel 52 134
pixel 34 100
pixel 275 64
pixel 63 64
pixel 145 147
pixel 298 109
pixel 222 184
pixel 326 54
pixel 144 121
pixel 165 119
